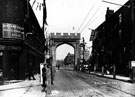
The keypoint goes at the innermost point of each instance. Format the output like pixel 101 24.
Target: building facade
pixel 69 59
pixel 22 40
pixel 113 41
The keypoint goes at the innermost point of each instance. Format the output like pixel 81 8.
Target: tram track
pixel 100 82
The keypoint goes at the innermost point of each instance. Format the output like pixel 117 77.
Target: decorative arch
pixel 59 44
pixel 72 39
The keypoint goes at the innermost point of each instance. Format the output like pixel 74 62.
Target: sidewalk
pixel 24 88
pixel 118 77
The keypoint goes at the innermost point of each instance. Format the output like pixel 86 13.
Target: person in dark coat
pixel 58 66
pixel 44 77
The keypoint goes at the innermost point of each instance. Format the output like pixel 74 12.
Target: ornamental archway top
pixel 74 36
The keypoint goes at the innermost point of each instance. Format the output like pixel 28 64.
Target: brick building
pixel 69 59
pixel 113 40
pixel 22 40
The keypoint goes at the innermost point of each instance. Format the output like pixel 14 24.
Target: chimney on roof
pixel 109 12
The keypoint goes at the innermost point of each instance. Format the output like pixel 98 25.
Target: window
pixel 120 32
pixel 120 18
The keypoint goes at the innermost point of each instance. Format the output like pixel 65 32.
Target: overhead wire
pixel 33 2
pixel 115 3
pixel 91 18
pixel 86 17
pixel 96 18
pixel 103 12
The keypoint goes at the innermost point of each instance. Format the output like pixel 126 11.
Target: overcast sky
pixel 64 15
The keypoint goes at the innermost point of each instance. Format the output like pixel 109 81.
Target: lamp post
pixel 133 29
pixel 83 50
pixel 82 45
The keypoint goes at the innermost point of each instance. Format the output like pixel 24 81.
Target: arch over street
pixel 72 39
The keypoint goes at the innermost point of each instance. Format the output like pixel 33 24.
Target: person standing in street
pixel 52 70
pixel 44 77
pixel 58 66
pixel 46 74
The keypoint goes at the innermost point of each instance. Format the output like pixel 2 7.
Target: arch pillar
pixel 77 55
pixel 53 55
pixel 52 69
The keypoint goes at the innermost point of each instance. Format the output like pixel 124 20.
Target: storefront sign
pixel 133 63
pixel 1 53
pixel 12 31
pixel 13 48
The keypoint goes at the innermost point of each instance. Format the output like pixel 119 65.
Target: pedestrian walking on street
pixel 44 77
pixel 48 72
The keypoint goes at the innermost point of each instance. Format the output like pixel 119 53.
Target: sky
pixel 74 16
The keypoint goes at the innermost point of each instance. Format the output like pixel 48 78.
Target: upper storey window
pixel 120 18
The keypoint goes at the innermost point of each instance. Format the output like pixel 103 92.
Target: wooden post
pixel 43 14
pixel 133 36
pixel 114 70
pixel 94 69
pixel 102 70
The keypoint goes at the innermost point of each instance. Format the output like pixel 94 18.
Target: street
pixel 87 85
pixel 69 83
pixel 89 43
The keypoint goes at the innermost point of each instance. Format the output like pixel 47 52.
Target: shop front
pixel 21 40
pixel 16 54
pixel 15 61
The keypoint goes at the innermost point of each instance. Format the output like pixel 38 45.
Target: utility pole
pixel 43 14
pixel 83 50
pixel 133 38
pixel 133 29
pixel 27 9
pixel 50 59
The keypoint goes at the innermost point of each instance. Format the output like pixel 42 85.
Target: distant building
pixel 69 59
pixel 86 54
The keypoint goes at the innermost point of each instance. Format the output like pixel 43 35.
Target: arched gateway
pixel 57 39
